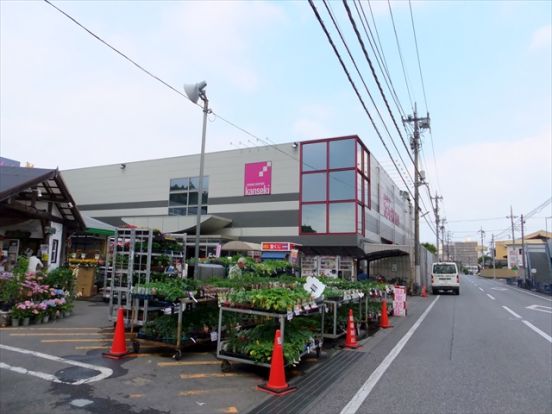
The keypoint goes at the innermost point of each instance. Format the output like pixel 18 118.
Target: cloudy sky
pixel 69 101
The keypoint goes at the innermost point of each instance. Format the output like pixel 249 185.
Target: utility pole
pixel 512 217
pixel 494 254
pixel 525 276
pixel 419 123
pixel 482 249
pixel 443 238
pixel 437 198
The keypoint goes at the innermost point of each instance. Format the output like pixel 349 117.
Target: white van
pixel 444 276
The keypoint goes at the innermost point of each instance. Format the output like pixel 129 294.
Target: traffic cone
pixel 384 321
pixel 118 347
pixel 277 384
pixel 424 292
pixel 350 339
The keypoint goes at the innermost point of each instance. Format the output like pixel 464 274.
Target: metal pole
pixel 200 189
pixel 512 217
pixel 494 255
pixel 525 276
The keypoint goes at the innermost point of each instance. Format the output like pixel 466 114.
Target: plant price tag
pixel 289 315
pixel 297 310
pixel 214 336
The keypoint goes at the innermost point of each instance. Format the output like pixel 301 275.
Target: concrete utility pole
pixel 482 250
pixel 525 275
pixel 443 221
pixel 494 254
pixel 419 123
pixel 512 217
pixel 437 198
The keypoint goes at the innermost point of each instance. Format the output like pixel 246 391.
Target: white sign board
pixel 314 286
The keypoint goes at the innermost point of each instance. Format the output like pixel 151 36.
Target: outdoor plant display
pixel 275 299
pixel 257 343
pixel 170 290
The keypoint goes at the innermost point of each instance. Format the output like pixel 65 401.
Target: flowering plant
pixel 23 310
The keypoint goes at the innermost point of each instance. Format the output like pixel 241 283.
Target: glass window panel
pixel 178 184
pixel 314 187
pixel 342 153
pixel 366 164
pixel 314 156
pixel 194 183
pixel 313 218
pixel 205 197
pixel 177 211
pixel 203 209
pixel 192 200
pixel 342 185
pixel 359 156
pixel 366 193
pixel 192 211
pixel 360 214
pixel 342 217
pixel 178 199
pixel 359 187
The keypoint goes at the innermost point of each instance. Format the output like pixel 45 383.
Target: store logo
pixel 258 178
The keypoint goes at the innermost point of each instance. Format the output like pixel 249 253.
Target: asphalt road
pixel 485 351
pixel 488 350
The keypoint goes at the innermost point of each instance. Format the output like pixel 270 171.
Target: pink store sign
pixel 258 178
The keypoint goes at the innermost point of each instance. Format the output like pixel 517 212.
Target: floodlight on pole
pixel 194 92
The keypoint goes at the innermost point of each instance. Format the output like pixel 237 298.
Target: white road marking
pixel 481 290
pixel 537 330
pixel 491 296
pixel 532 294
pixel 511 311
pixel 104 372
pixel 547 309
pixel 366 388
pixel 500 289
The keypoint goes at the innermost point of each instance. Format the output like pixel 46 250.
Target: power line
pixel 359 37
pixel 417 53
pixel 400 53
pixel 378 52
pixel 353 85
pixel 364 83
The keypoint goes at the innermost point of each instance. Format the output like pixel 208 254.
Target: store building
pixel 329 196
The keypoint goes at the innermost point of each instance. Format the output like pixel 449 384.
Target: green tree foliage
pixel 430 247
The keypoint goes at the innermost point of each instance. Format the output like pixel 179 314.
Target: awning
pixel 179 224
pixel 374 251
pixel 274 255
pixel 240 246
pixel 98 227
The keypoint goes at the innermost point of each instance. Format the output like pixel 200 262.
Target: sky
pixel 484 76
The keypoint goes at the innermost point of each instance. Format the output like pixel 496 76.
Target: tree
pixel 430 247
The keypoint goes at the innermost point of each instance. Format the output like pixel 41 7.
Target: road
pixel 488 350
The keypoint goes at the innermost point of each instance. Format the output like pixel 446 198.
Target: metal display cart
pixel 226 357
pixel 131 255
pixel 333 306
pixel 178 345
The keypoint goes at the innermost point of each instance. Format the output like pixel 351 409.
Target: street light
pixel 195 92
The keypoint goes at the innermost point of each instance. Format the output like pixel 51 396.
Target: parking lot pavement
pixel 148 382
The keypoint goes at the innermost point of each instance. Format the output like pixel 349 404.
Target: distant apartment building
pixel 466 253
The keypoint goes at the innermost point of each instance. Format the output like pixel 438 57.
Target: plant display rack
pixel 178 344
pixel 131 257
pixel 226 357
pixel 334 305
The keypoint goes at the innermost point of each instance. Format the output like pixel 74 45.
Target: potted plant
pixel 22 312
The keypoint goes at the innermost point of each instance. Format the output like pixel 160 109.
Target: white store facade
pixel 330 196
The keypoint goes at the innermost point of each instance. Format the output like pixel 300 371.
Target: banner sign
pixel 399 302
pixel 277 246
pixel 258 178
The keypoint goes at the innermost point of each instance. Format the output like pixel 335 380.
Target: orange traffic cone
pixel 118 347
pixel 350 339
pixel 277 384
pixel 384 321
pixel 424 292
